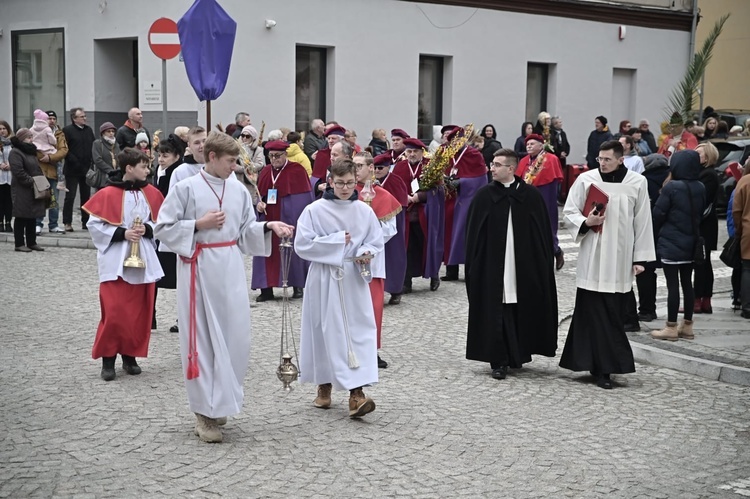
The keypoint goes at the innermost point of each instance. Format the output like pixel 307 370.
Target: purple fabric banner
pixel 207 39
pixel 395 257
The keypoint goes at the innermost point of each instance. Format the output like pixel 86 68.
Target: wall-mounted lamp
pixel 270 23
pixel 622 32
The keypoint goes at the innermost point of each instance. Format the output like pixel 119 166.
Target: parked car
pixel 733 116
pixel 734 149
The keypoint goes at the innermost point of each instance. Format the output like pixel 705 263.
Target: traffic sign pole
pixel 165 44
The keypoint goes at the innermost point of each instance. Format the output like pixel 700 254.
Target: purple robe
pixel 435 237
pixel 549 194
pixel 395 258
pixel 466 192
pixel 267 271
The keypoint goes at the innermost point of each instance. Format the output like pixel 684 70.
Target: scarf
pixel 27 148
pixel 116 180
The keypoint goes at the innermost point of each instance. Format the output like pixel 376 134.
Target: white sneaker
pixel 38 230
pixel 57 230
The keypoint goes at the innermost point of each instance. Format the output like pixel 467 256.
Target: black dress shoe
pixel 603 381
pixel 559 259
pixel 264 297
pixel 451 273
pixel 174 329
pixel 647 316
pixel 632 328
pixel 395 299
pixel 130 365
pixel 434 283
pixel 298 293
pixel 36 247
pixel 381 363
pixel 500 372
pixel 449 277
pixel 108 368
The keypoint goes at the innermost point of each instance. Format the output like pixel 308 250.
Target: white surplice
pixel 605 259
pixel 377 265
pixel 222 303
pixel 110 256
pixel 185 170
pixel 336 294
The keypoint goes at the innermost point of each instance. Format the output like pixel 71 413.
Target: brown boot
pixel 207 429
pixel 669 333
pixel 359 405
pixel 323 400
pixel 685 330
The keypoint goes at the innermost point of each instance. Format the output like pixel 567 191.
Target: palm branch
pixel 683 95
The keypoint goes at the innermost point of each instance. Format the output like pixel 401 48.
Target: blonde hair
pixel 711 153
pixel 542 117
pixel 182 132
pixel 220 144
pixel 366 155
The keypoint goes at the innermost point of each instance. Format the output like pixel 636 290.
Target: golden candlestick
pixel 134 260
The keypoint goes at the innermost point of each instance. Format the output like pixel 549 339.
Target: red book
pixel 596 200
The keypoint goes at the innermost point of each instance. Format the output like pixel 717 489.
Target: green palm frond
pixel 683 95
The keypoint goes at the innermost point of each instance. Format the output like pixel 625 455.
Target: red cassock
pixel 126 309
pixel 385 207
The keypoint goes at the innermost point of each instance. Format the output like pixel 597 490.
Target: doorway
pixel 115 80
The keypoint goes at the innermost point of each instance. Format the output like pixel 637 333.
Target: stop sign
pixel 163 38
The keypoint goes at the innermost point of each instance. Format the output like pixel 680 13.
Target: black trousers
pixel 72 182
pixel 414 252
pixel 704 278
pixel 6 204
pixel 745 285
pixel 679 275
pixel 25 226
pixel 646 282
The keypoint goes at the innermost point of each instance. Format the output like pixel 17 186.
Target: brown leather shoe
pixel 359 404
pixel 68 228
pixel 323 400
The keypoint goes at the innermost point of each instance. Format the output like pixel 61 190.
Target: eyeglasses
pixel 499 165
pixel 348 185
pixel 604 160
pixel 382 167
pixel 276 155
pixel 245 136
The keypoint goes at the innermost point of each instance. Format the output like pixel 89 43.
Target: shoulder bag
pixel 41 187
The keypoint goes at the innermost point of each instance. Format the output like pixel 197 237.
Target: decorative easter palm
pixel 683 95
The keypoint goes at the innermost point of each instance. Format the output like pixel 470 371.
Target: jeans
pixel 73 183
pixel 53 213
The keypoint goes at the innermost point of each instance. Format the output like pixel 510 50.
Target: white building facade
pixel 364 63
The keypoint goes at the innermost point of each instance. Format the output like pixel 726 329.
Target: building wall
pixel 728 72
pixel 374 61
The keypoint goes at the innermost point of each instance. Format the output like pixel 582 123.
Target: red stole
pixel 403 169
pixel 384 204
pixel 550 171
pixel 466 163
pixel 107 204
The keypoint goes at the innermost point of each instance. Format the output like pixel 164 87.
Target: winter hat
pixel 23 134
pixel 106 126
pixel 141 137
pixel 40 115
pixel 602 119
pixel 251 131
pixel 52 114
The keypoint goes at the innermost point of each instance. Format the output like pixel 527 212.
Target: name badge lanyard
pixel 272 192
pixel 454 170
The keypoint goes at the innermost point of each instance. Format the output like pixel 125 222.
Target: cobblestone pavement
pixel 442 428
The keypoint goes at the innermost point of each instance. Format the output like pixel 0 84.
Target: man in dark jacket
pixel 510 281
pixel 315 139
pixel 127 133
pixel 598 136
pixel 80 138
pixel 656 169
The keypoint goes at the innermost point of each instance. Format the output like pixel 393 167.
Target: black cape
pixel 486 234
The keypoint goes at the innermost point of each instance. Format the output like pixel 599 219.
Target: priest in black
pixel 510 272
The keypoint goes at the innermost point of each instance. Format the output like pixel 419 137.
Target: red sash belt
pixel 192 370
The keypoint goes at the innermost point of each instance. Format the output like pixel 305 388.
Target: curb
pixel 63 241
pixel 708 369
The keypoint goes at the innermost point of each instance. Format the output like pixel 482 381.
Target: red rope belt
pixel 192 370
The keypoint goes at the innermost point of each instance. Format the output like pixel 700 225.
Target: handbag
pixel 699 248
pixel 42 188
pixel 94 177
pixel 730 254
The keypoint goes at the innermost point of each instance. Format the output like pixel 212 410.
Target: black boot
pixel 451 273
pixel 130 365
pixel 298 293
pixel 381 363
pixel 266 294
pixel 434 283
pixel 108 368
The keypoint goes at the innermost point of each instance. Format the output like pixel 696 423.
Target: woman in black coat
pixel 676 216
pixel 26 208
pixel 491 144
pixel 709 228
pixel 520 146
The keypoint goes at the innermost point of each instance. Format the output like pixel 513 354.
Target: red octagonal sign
pixel 163 38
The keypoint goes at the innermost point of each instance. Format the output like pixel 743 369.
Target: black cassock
pixel 508 334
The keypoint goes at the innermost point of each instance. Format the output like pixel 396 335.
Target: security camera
pixel 270 23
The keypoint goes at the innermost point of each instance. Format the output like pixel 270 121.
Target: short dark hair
pixel 614 146
pixel 74 111
pixel 343 166
pixel 507 153
pixel 130 157
pixel 629 140
pixel 633 131
pixel 293 137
